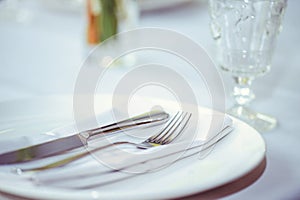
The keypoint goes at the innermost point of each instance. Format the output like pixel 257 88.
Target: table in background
pixel 43 56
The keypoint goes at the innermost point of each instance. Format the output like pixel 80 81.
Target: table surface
pixel 42 56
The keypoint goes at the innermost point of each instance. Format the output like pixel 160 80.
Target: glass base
pixel 260 122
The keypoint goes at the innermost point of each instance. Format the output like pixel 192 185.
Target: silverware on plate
pixel 79 139
pixel 94 177
pixel 170 132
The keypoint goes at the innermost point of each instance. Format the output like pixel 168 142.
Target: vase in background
pixel 106 18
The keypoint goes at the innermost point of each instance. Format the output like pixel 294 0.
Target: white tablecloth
pixel 43 55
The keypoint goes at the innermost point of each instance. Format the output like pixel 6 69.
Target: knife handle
pixel 145 119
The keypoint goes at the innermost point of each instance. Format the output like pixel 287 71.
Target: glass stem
pixel 242 92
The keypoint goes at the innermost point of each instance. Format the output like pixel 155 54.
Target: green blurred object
pixel 106 18
pixel 109 20
pixel 102 19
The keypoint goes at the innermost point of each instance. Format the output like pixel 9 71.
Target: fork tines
pixel 173 129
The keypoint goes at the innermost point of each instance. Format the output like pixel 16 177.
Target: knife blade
pixel 80 139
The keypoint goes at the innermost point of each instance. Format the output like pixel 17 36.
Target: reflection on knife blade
pixel 80 139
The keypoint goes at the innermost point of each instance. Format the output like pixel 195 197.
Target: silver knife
pixel 80 139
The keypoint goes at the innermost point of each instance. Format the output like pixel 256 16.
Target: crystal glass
pixel 245 32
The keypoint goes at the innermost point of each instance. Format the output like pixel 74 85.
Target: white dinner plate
pixel 158 4
pixel 236 155
pixel 78 5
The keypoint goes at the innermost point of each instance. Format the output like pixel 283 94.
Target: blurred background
pixel 44 42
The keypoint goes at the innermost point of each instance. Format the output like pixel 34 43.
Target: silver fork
pixel 170 132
